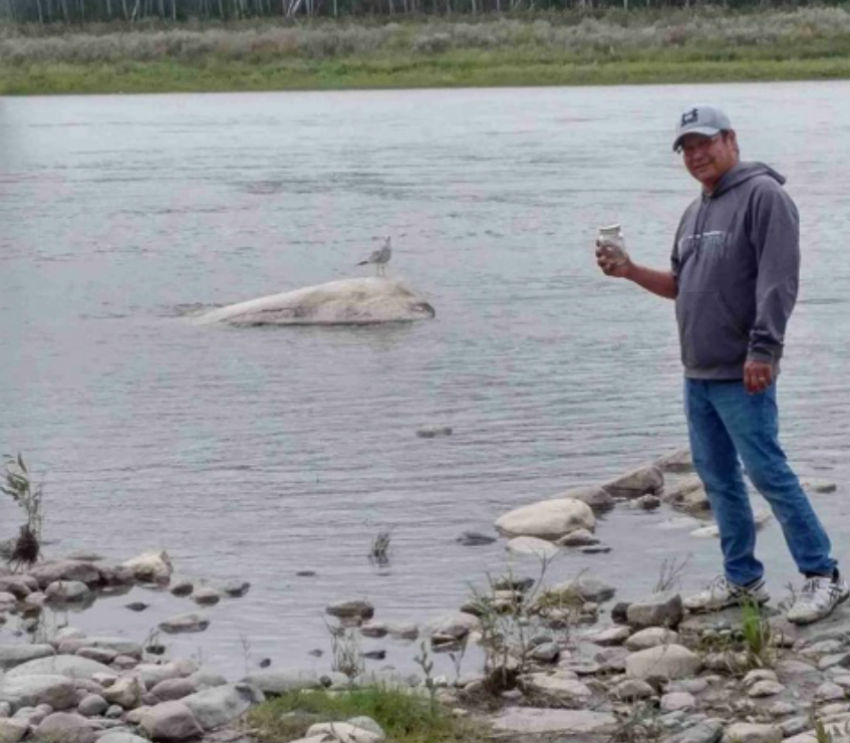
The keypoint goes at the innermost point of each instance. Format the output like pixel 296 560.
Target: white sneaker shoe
pixel 721 593
pixel 818 597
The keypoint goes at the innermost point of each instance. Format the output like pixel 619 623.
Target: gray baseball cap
pixel 700 119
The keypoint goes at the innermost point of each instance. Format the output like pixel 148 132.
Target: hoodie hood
pixel 741 173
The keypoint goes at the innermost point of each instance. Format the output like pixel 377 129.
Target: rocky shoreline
pixel 562 662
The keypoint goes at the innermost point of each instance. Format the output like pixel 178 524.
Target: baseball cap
pixel 700 119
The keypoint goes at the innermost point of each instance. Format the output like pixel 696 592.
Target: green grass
pixel 448 70
pixel 405 717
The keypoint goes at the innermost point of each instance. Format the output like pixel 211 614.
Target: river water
pixel 257 453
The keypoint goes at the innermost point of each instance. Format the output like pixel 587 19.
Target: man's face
pixel 708 158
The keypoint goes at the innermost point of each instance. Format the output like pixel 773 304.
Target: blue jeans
pixel 726 422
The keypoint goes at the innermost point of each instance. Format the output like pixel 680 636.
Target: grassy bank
pixel 568 48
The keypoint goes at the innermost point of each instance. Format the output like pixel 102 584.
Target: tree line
pixel 181 11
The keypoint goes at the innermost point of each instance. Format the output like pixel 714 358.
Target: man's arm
pixel 662 283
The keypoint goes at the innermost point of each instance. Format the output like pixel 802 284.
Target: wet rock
pixel 174 688
pixel 66 727
pixel 546 652
pixel 452 627
pixel 577 538
pixel 474 539
pixel 619 612
pixel 126 691
pixel 746 732
pixel 596 549
pixel 92 705
pixel 549 519
pixel 532 546
pixel 206 596
pixel 584 588
pixel 30 690
pixel 150 567
pixel 636 483
pixel 67 591
pixel 647 502
pixel 116 576
pixel 185 623
pixel 357 610
pixel 181 587
pixel 430 432
pixel 222 704
pixel 657 610
pixel 170 721
pixel 689 495
pixel 374 654
pixel 676 461
pixel 136 606
pixel 66 570
pixel 651 637
pixel 13 655
pixel 236 588
pixel 665 661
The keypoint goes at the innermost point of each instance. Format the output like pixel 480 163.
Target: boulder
pixel 101 655
pixel 18 585
pixel 677 700
pixel 65 727
pixel 453 626
pixel 31 690
pixel 664 661
pixel 181 587
pixel 657 610
pixel 533 547
pixel 72 666
pixel 549 519
pixel 512 722
pixel 222 704
pixel 357 301
pixel 236 588
pixel 636 483
pixel 558 685
pixel 92 705
pixel 631 690
pixel 206 596
pixel 150 567
pixel 169 722
pixel 357 610
pixel 599 499
pixel 13 655
pixel 577 538
pixel 689 495
pixel 584 588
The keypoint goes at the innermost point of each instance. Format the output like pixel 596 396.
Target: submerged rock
pixel 360 301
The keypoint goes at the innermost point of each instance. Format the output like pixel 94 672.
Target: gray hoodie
pixel 736 261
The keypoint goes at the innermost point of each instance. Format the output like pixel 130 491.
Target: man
pixel 734 274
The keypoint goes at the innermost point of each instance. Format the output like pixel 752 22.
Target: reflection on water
pixel 279 454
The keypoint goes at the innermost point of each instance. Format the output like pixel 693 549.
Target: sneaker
pixel 721 593
pixel 819 596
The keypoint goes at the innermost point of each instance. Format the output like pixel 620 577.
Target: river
pixel 261 452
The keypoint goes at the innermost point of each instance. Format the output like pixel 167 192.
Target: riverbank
pixel 563 661
pixel 570 48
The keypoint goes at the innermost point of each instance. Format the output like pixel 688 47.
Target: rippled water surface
pixel 257 453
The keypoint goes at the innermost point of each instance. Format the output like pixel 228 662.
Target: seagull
pixel 380 258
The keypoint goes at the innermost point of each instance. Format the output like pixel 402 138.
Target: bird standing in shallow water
pixel 380 258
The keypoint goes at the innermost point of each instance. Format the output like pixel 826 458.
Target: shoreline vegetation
pixel 584 46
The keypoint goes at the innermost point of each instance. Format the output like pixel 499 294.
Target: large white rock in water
pixel 360 301
pixel 548 519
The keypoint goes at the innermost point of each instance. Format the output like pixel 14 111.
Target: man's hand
pixel 758 376
pixel 612 260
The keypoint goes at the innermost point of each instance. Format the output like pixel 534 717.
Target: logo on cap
pixel 689 117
